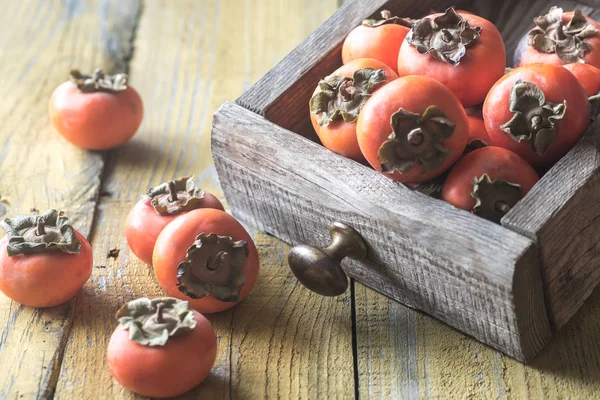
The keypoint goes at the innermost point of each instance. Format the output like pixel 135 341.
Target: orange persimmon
pixel 477 130
pixel 489 182
pixel 462 51
pixel 161 349
pixel 538 111
pixel 587 75
pixel 159 206
pixel 43 260
pixel 337 101
pixel 206 257
pixel 97 112
pixel 589 78
pixel 412 129
pixel 378 39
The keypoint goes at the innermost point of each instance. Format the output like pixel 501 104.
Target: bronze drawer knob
pixel 319 269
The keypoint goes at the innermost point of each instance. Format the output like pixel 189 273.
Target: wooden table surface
pixel 186 58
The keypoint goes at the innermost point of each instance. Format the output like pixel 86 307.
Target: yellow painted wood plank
pixel 191 56
pixel 406 354
pixel 40 42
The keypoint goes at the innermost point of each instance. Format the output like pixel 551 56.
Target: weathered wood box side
pixel 476 276
pixel 562 214
pixel 488 281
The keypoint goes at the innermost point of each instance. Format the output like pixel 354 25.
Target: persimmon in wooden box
pixel 509 285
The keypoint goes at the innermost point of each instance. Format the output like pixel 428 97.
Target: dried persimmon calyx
pixel 214 266
pixel 552 35
pixel 416 140
pixel 445 37
pixel 176 196
pixel 534 118
pixel 388 19
pixel 494 198
pixel 153 322
pixel 341 98
pixel 99 81
pixel 47 232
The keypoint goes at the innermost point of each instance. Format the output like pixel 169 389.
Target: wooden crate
pixel 509 286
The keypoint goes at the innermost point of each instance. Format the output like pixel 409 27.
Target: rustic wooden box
pixel 508 285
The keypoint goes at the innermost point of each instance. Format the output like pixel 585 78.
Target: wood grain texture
pixel 280 342
pixel 472 274
pixel 405 354
pixel 41 42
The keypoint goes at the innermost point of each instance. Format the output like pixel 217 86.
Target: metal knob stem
pixel 319 269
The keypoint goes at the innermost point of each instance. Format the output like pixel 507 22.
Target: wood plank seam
pixel 354 337
pixel 57 358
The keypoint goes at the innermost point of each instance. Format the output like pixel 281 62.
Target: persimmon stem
pixel 416 137
pixel 536 122
pixel 159 313
pixel 41 227
pixel 172 191
pixel 502 207
pixel 213 263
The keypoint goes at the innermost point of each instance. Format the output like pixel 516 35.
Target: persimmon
pixel 489 182
pixel 206 257
pixel 378 39
pixel 44 261
pixel 589 77
pixel 462 51
pixel 537 111
pixel 96 112
pixel 561 38
pixel 159 206
pixel 161 348
pixel 412 129
pixel 337 101
pixel 477 133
